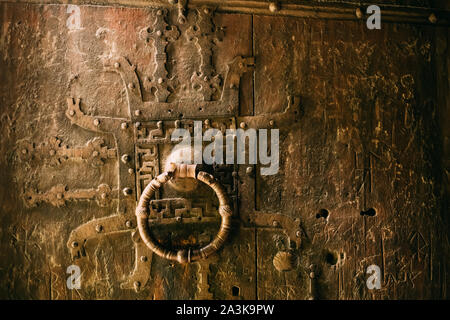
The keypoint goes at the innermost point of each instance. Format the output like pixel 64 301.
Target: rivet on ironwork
pixel 125 158
pixel 432 18
pixel 129 224
pixel 127 191
pixel 274 7
pixel 116 65
pixel 358 13
pixel 143 258
pixel 96 122
pixel 123 125
pixel 98 228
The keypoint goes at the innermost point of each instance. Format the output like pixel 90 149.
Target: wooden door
pixel 92 94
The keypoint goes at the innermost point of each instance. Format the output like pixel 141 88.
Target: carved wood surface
pixel 86 114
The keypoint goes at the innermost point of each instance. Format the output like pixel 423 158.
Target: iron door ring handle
pixel 184 255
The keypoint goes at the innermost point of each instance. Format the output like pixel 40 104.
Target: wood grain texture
pixel 364 170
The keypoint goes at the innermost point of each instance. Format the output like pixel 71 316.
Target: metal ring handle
pixel 183 255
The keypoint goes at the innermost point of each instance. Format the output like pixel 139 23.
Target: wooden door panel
pixel 91 94
pixel 352 153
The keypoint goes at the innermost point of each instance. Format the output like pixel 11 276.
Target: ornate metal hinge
pixel 138 135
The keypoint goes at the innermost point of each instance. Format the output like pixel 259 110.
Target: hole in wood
pixel 323 213
pixel 235 291
pixel 331 258
pixel 370 212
